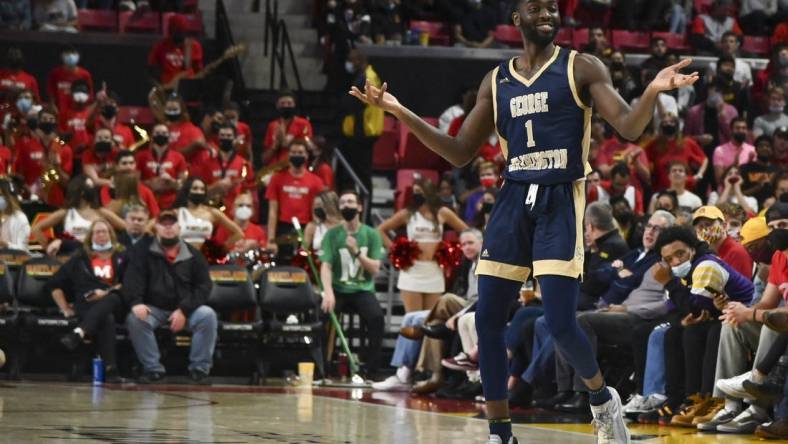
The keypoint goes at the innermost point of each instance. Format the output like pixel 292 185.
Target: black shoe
pixel 112 376
pixel 578 403
pixel 200 377
pixel 451 387
pixel 768 392
pixel 71 341
pixel 467 391
pixel 520 394
pixel 150 378
pixel 551 402
pixel 437 331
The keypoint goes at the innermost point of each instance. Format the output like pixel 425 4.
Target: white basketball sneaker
pixel 495 439
pixel 609 423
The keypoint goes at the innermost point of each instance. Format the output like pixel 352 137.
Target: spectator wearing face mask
pixel 711 227
pixel 73 118
pixel 758 173
pixel 13 77
pixel 185 137
pixel 730 191
pixel 320 155
pixel 622 79
pixel 729 47
pixel 775 118
pixel 126 188
pixel 484 208
pixel 617 149
pixel 736 152
pixel 488 179
pixel 232 115
pixel 709 122
pixel 105 115
pixel 670 146
pixel 733 92
pixel 253 235
pixel 14 225
pixel 284 129
pixel 98 162
pixel 197 219
pixel 137 218
pixel 161 168
pixel 59 79
pixel 19 115
pixel 175 55
pixel 226 172
pixel 325 212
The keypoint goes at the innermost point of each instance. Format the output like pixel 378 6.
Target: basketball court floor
pixel 232 414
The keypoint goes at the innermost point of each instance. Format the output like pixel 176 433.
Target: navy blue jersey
pixel 543 126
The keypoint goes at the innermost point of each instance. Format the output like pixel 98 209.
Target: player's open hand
pixel 375 96
pixel 670 77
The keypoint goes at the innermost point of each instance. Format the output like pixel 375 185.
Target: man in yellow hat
pixel 710 227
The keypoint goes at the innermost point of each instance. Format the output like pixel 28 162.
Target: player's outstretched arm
pixel 629 121
pixel 460 150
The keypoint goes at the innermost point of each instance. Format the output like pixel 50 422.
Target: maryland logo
pixel 229 275
pixel 286 277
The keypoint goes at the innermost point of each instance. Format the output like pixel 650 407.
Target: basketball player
pixel 539 103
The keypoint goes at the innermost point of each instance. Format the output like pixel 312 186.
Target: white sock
pixel 403 373
pixel 757 377
pixel 732 405
pixel 79 332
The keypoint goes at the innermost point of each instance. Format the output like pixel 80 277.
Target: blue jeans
pixel 678 19
pixel 654 377
pixel 202 323
pixel 542 366
pixel 406 351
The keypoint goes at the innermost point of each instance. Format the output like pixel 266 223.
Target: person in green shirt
pixel 351 256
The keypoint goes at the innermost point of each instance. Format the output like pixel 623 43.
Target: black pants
pixel 368 308
pixel 755 23
pixel 97 320
pixel 691 359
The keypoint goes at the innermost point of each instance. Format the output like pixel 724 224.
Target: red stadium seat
pixel 631 40
pixel 755 45
pixel 413 153
pixel 405 179
pixel 141 115
pixel 194 25
pixel 98 20
pixel 140 23
pixel 676 42
pixel 508 35
pixel 385 155
pixel 580 38
pixel 438 31
pixel 564 37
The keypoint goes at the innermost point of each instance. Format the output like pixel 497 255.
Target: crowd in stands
pixel 685 228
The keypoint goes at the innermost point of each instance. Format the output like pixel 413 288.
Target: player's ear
pixel 516 18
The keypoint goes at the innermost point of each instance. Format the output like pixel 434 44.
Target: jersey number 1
pixel 529 129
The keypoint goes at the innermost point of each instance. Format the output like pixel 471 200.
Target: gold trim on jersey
pixel 572 85
pixel 572 268
pixel 529 82
pixel 504 143
pixel 506 271
pixel 586 143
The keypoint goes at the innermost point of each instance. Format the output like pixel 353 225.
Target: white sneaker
pixel 653 402
pixel 609 423
pixel 634 405
pixel 745 423
pixel 495 439
pixel 734 387
pixel 724 416
pixel 392 384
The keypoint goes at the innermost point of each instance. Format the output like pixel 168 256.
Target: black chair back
pixel 286 290
pixel 233 288
pixel 6 284
pixel 33 277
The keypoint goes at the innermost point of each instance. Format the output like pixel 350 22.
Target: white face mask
pixel 682 270
pixel 349 67
pixel 102 247
pixel 243 213
pixel 80 97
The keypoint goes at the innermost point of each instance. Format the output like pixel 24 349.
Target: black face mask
pixel 216 126
pixel 108 112
pixel 161 139
pixel 297 161
pixel 763 254
pixel 669 130
pixel 320 213
pixel 172 117
pixel 226 145
pixel 197 198
pixel 47 127
pixel 726 76
pixel 418 199
pixel 32 123
pixel 286 112
pixel 168 242
pixel 624 217
pixel 89 194
pixel 103 147
pixel 779 239
pixel 487 207
pixel 739 137
pixel 178 37
pixel 349 213
pixel 617 66
pixel 764 159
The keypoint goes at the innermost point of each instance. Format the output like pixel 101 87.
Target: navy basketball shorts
pixel 535 229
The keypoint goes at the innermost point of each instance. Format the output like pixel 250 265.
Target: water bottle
pixel 98 371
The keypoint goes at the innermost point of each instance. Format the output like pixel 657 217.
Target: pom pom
pixel 449 256
pixel 301 260
pixel 403 253
pixel 214 252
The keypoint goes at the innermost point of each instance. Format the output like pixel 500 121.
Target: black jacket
pixel 610 247
pixel 125 240
pixel 152 280
pixel 77 279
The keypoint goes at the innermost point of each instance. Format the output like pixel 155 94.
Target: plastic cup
pixel 306 371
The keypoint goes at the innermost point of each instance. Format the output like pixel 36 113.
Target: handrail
pixel 366 195
pixel 277 44
pixel 224 38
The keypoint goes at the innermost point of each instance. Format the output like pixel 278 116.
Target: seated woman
pixel 325 215
pixel 197 219
pixel 92 277
pixel 14 226
pixel 81 210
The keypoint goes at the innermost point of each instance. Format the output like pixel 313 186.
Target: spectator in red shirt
pixel 243 213
pixel 282 130
pixel 232 114
pixel 227 173
pixel 74 114
pixel 212 122
pixel 105 115
pixel 185 137
pixel 162 169
pixel 176 55
pixel 671 146
pixel 17 117
pixel 290 194
pixel 14 79
pixel 59 79
pixel 617 149
pixel 126 189
pixel 620 185
pixel 97 162
pixel 42 150
pixel 320 155
pixel 710 226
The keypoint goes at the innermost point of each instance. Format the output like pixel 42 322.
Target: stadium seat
pixel 564 37
pixel 405 178
pixel 413 153
pixel 140 22
pixel 286 294
pixel 755 45
pixel 676 42
pixel 194 25
pixel 580 38
pixel 141 115
pixel 98 20
pixel 438 31
pixel 385 152
pixel 509 35
pixel 631 40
